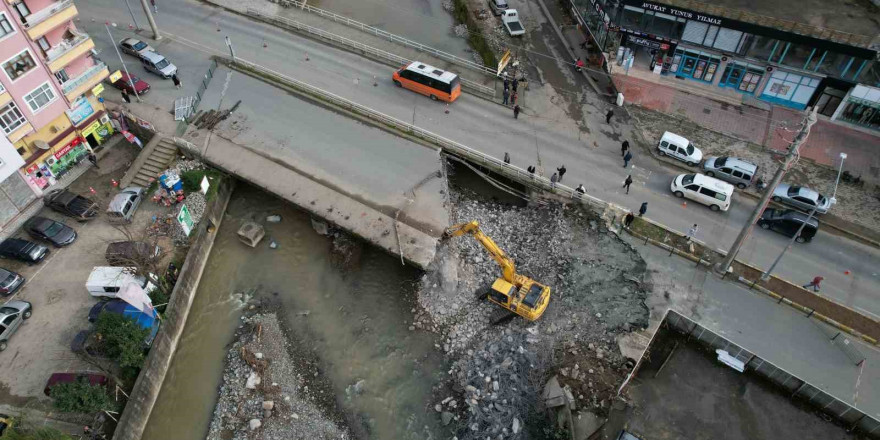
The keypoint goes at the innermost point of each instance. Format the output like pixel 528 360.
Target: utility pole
pixel 801 137
pixel 149 12
pixel 136 25
pixel 112 43
pixel 231 50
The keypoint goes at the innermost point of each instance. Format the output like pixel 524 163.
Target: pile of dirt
pixel 597 294
pixel 265 392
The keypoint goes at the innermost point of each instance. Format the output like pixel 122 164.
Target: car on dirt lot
pixel 124 204
pixel 801 197
pixel 71 204
pixel 24 250
pixel 47 229
pixel 12 315
pixel 10 282
pixel 133 46
pixel 92 379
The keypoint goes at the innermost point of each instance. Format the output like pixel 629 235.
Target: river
pixel 357 320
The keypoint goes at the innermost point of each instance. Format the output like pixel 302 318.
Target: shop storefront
pixel 694 64
pixel 742 77
pixel 96 133
pixel 789 89
pixel 46 170
pixel 647 52
pixel 861 107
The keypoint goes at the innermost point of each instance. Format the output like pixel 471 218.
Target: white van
pixel 704 189
pixel 678 147
pixel 106 281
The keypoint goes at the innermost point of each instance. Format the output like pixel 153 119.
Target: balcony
pixel 78 85
pixel 20 132
pixel 68 50
pixel 4 98
pixel 50 17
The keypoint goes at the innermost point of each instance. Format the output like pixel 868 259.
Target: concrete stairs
pixel 155 158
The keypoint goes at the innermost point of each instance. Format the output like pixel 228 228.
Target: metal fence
pixel 387 35
pixel 449 146
pixel 843 412
pixel 389 57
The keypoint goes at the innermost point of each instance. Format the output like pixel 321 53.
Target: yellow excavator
pixel 517 293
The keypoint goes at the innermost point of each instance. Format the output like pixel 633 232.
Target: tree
pixel 122 339
pixel 80 397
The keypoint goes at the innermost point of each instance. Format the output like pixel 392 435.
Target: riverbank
pixel 270 390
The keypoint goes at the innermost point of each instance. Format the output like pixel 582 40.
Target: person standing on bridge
pixel 628 157
pixel 507 158
pixel 515 112
pixel 814 284
pixel 155 8
pixel 562 171
pixel 515 83
pixel 553 180
pixel 692 232
pixel 531 170
pixel 580 189
pixel 628 182
pixel 624 147
pixel 505 96
pixel 643 209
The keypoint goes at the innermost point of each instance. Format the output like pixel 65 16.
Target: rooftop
pixel 854 22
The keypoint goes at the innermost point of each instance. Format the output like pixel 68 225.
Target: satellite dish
pixel 41 144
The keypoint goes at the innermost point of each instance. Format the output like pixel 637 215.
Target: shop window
pixel 19 65
pixel 864 113
pixel 11 117
pixel 727 40
pixel 778 52
pixel 869 73
pixel 631 17
pixel 40 97
pixel 662 24
pixel 695 32
pixel 797 55
pixel 790 89
pixel 695 65
pixel 743 78
pixel 761 47
pixel 833 64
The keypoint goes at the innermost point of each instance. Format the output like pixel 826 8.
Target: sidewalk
pixel 765 128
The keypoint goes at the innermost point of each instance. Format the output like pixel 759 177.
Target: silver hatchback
pixel 801 197
pixel 12 314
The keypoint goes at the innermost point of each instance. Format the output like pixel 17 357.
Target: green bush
pixel 42 433
pixel 80 397
pixel 122 339
pixel 192 181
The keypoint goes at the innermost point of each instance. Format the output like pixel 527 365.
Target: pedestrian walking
pixel 93 159
pixel 553 179
pixel 628 157
pixel 692 232
pixel 579 65
pixel 531 169
pixel 562 171
pixel 580 189
pixel 515 112
pixel 515 84
pixel 814 284
pixel 643 209
pixel 505 96
pixel 155 8
pixel 175 80
pixel 125 96
pixel 628 182
pixel 608 116
pixel 513 98
pixel 506 158
pixel 628 219
pixel 624 147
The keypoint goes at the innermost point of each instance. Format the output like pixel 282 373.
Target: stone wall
pixel 146 389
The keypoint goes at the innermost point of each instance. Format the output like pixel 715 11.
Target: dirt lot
pixel 856 204
pixel 56 288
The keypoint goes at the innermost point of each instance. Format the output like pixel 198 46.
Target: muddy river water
pixel 357 319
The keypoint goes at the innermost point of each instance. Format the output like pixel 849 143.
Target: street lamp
pixel 113 43
pixel 766 275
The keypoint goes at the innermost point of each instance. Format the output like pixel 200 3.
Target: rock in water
pixel 273 245
pixel 446 417
pixel 320 227
pixel 273 219
pixel 515 426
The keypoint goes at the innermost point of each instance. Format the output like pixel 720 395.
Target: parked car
pixel 124 204
pixel 12 314
pixel 510 19
pixel 86 342
pixel 731 169
pixel 157 64
pixel 92 378
pixel 131 83
pixel 148 320
pixel 801 197
pixel 23 250
pixel 788 222
pixel 704 189
pixel 71 204
pixel 127 253
pixel 54 232
pixel 107 281
pixel 9 282
pixel 498 6
pixel 677 147
pixel 133 46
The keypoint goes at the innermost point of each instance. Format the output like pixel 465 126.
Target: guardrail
pixel 391 37
pixel 389 57
pixel 449 146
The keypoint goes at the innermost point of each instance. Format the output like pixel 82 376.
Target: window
pixel 19 65
pixel 763 47
pixel 631 17
pixel 5 27
pixel 40 97
pixel 797 55
pixel 11 118
pixel 21 151
pixel 22 10
pixel 44 45
pixel 714 194
pixel 62 76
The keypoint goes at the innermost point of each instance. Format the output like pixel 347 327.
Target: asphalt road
pixel 591 154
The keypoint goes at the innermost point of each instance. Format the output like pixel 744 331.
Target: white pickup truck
pixel 510 18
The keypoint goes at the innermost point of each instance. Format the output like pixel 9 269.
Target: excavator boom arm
pixel 507 267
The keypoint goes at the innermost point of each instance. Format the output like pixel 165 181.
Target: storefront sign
pixel 63 152
pixel 651 44
pixel 82 109
pixel 115 76
pixel 682 13
pixel 98 89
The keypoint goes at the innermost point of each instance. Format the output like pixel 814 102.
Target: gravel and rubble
pixel 265 392
pixel 599 293
pixel 857 204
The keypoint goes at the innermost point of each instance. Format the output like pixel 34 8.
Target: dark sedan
pixel 71 204
pixel 9 282
pixel 54 232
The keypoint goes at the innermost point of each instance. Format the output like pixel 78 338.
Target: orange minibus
pixel 429 81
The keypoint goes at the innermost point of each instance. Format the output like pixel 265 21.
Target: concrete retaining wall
pixel 146 389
